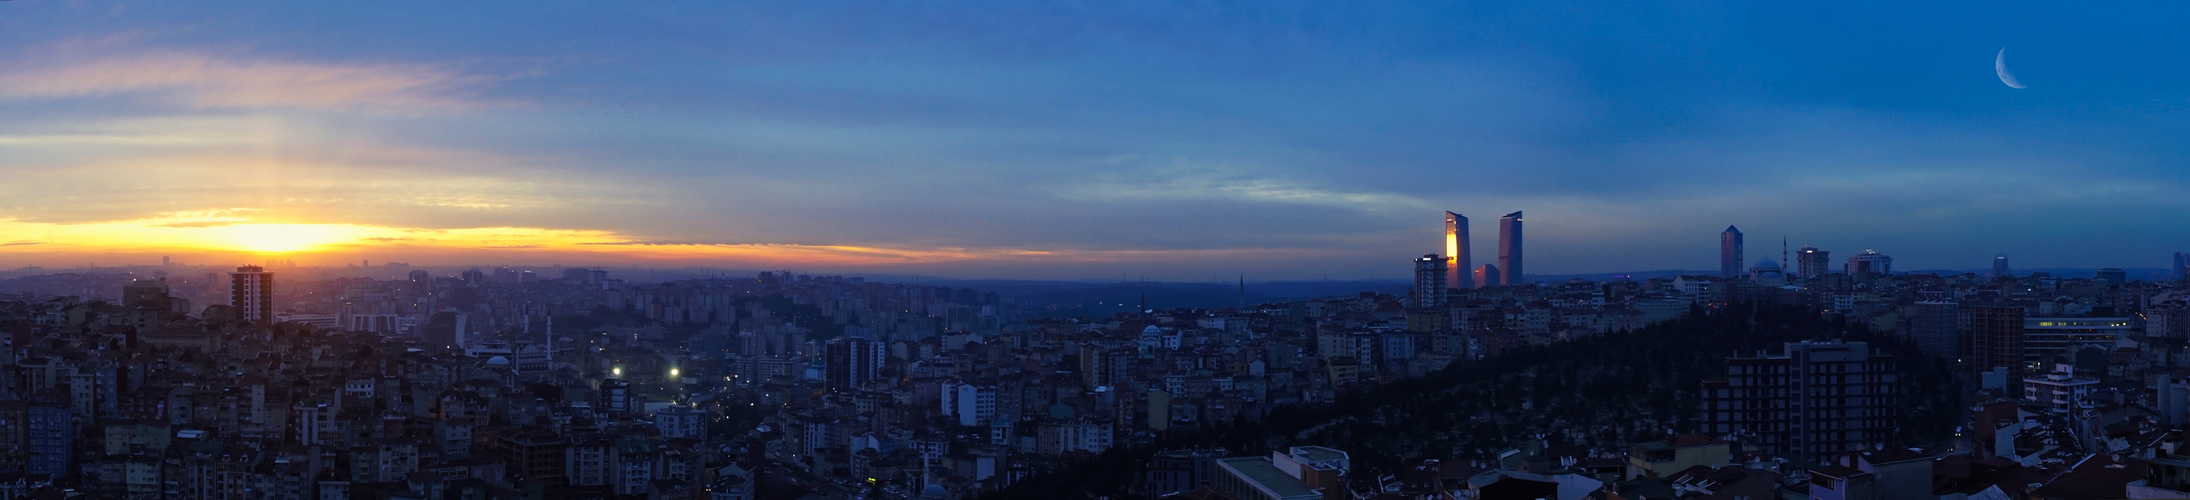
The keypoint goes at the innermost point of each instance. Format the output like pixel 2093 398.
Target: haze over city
pixel 1055 141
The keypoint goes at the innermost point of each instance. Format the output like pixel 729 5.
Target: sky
pixel 1086 140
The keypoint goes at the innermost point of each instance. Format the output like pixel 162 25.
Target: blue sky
pixel 1084 140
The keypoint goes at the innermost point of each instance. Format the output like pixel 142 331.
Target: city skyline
pixel 1014 141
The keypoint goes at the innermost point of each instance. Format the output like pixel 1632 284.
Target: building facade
pixel 1813 400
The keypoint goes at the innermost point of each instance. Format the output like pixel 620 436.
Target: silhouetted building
pixel 1509 250
pixel 2000 267
pixel 1936 328
pixel 852 363
pixel 251 290
pixel 1730 253
pixel 2047 340
pixel 2182 266
pixel 444 330
pixel 1487 275
pixel 1458 261
pixel 1429 282
pixel 2113 276
pixel 1870 262
pixel 1811 262
pixel 1814 400
pixel 1995 334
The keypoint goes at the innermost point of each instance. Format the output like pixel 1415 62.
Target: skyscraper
pixel 1487 275
pixel 1509 250
pixel 2182 266
pixel 1730 253
pixel 2000 267
pixel 1811 262
pixel 251 290
pixel 1429 282
pixel 1457 259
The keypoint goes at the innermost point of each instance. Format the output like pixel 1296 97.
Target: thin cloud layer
pixel 199 80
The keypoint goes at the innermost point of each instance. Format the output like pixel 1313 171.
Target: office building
pixel 1429 282
pixel 1457 259
pixel 251 291
pixel 852 363
pixel 1814 400
pixel 1487 275
pixel 1509 250
pixel 2182 267
pixel 1301 473
pixel 1811 262
pixel 2000 267
pixel 1730 253
pixel 1936 328
pixel 2047 340
pixel 1995 333
pixel 1870 262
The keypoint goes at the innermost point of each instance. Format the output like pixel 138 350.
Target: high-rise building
pixel 2051 340
pixel 251 291
pixel 1870 262
pixel 444 330
pixel 1815 400
pixel 1509 250
pixel 852 363
pixel 1429 282
pixel 2000 267
pixel 1487 275
pixel 1730 253
pixel 1811 262
pixel 2182 267
pixel 1457 259
pixel 1995 333
pixel 1936 328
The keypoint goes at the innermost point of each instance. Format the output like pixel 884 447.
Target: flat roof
pixel 1263 473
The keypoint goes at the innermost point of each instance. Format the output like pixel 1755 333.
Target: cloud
pixel 207 81
pixel 21 243
pixel 199 224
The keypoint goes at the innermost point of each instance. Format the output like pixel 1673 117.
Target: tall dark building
pixel 2000 267
pixel 1815 400
pixel 2182 267
pixel 1509 250
pixel 2112 276
pixel 1936 327
pixel 444 330
pixel 1730 253
pixel 1995 333
pixel 251 291
pixel 1811 262
pixel 1457 259
pixel 1429 282
pixel 1487 275
pixel 852 363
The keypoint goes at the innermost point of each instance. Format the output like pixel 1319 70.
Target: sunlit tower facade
pixel 1457 260
pixel 1730 253
pixel 1429 281
pixel 1509 250
pixel 251 291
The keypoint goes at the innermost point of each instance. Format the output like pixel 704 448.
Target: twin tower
pixel 1459 259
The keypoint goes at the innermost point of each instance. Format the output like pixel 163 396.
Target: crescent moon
pixel 1999 64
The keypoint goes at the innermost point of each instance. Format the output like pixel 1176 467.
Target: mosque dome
pixel 1770 264
pixel 498 361
pixel 1151 329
